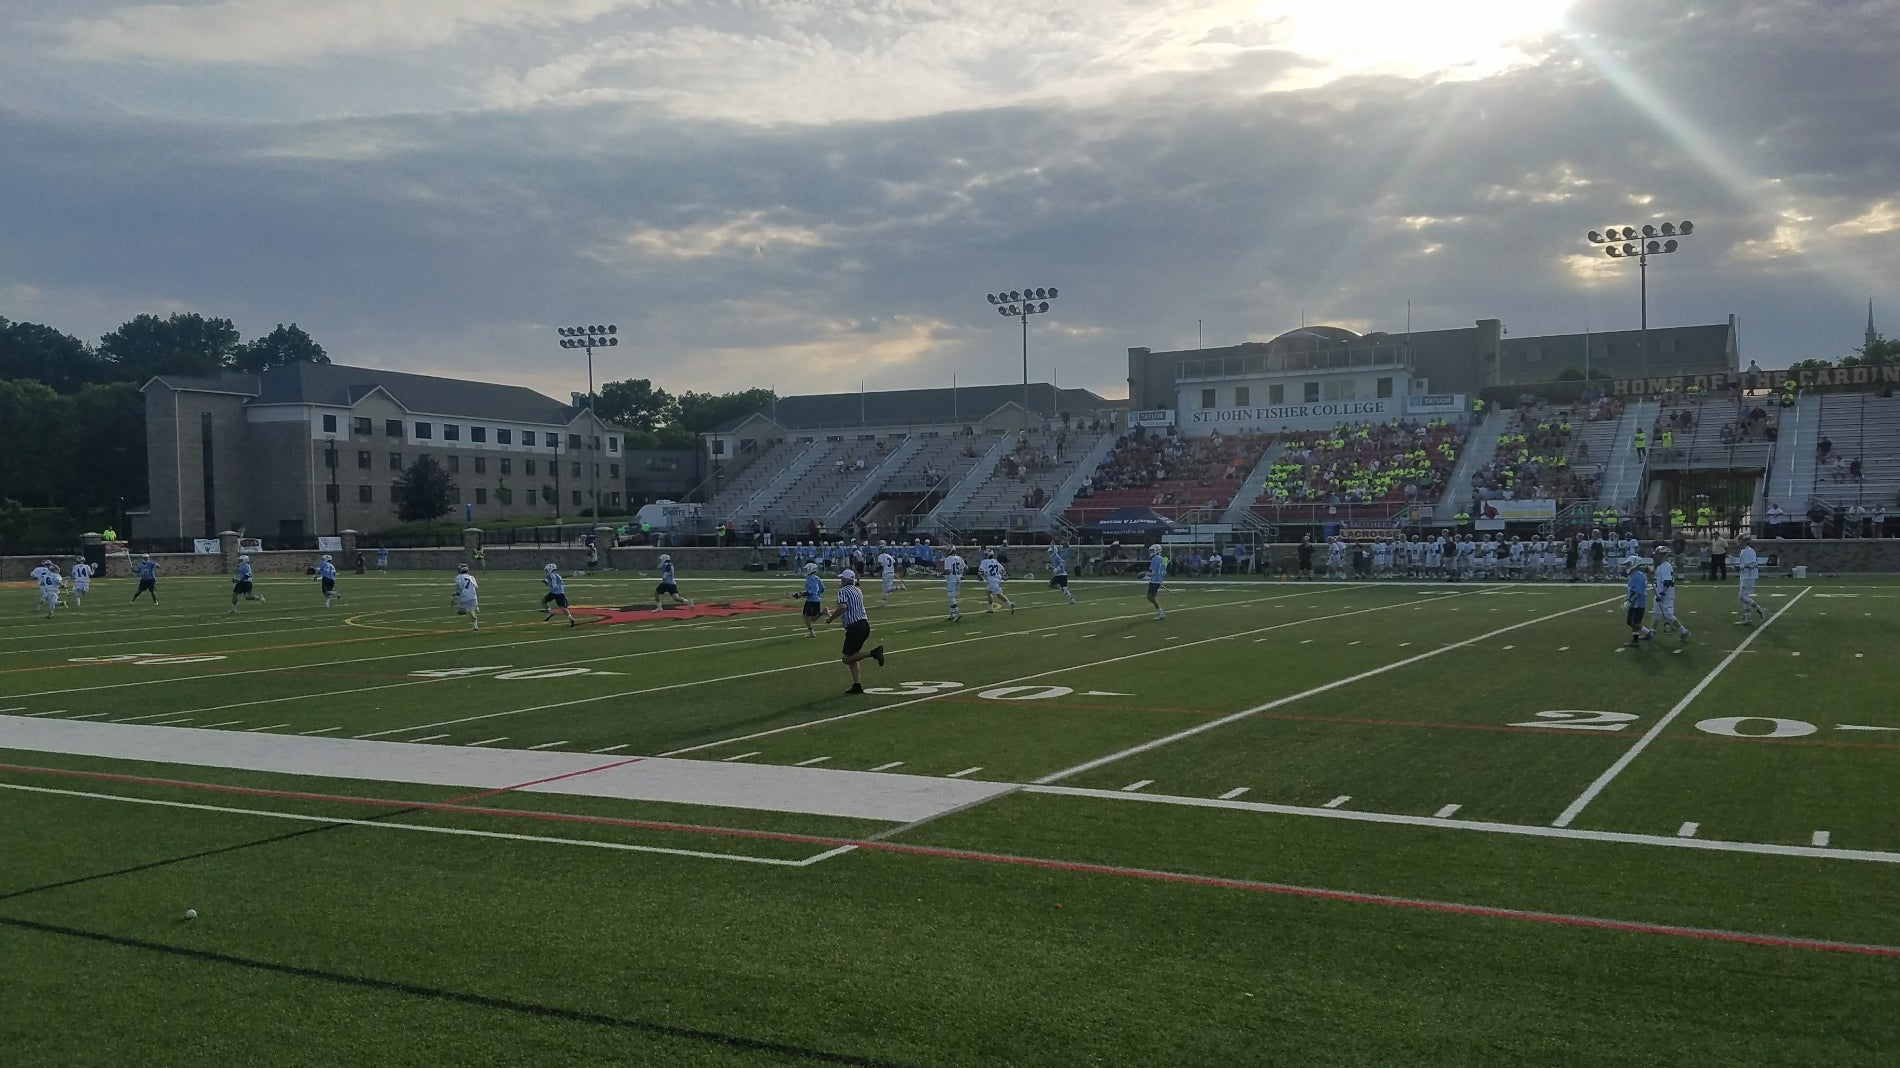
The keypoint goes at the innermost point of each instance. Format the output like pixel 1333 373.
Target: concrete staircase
pixel 1239 509
pixel 874 480
pixel 1481 447
pixel 1623 472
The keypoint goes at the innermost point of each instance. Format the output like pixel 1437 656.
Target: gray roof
pixel 919 407
pixel 342 386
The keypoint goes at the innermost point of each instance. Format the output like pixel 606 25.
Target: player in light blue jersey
pixel 147 571
pixel 382 560
pixel 1157 574
pixel 1059 569
pixel 241 584
pixel 1747 570
pixel 1636 600
pixel 556 595
pixel 669 585
pixel 326 577
pixel 857 628
pixel 1666 594
pixel 813 599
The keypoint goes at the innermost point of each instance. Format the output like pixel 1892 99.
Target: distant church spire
pixel 1871 333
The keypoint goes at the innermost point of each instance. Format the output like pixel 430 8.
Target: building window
pixel 1385 387
pixel 329 424
pixel 451 432
pixel 392 428
pixel 505 495
pixel 719 447
pixel 1310 391
pixel 613 470
pixel 329 493
pixel 329 457
pixel 1207 398
pixel 577 469
pixel 362 425
pixel 507 466
pixel 362 459
pixel 527 438
pixel 577 498
pixel 529 467
pixel 1243 396
pixel 481 495
pixel 395 461
pixel 573 442
pixel 424 431
pixel 365 495
pixel 594 443
pixel 613 443
pixel 481 465
pixel 614 499
pixel 455 463
pixel 1276 394
pixel 1341 389
pixel 503 437
pixel 478 433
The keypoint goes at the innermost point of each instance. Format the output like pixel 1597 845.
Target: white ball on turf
pixel 191 914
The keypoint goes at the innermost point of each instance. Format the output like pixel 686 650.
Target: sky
pixel 814 194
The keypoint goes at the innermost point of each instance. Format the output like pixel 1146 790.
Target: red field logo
pixel 634 613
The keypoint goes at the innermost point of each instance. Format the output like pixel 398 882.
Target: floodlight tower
pixel 589 338
pixel 1023 303
pixel 1627 243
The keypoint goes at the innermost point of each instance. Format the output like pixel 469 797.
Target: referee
pixel 857 627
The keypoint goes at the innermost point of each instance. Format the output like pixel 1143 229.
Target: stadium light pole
pixel 589 338
pixel 1023 303
pixel 1627 243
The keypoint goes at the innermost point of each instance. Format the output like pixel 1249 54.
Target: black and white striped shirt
pixel 851 600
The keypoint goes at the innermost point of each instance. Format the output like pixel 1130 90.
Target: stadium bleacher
pixel 1171 474
pixel 1404 462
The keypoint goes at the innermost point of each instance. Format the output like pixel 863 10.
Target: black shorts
pixel 329 585
pixel 241 586
pixel 1154 588
pixel 666 587
pixel 560 599
pixel 1633 616
pixel 1058 581
pixel 856 635
pixel 148 584
pixel 813 610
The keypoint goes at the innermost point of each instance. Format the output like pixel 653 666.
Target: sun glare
pixel 1455 38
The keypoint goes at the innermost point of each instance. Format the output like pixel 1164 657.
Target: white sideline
pixel 1590 792
pixel 1157 743
pixel 1529 830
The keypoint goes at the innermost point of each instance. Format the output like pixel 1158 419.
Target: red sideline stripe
pixel 1079 867
pixel 537 782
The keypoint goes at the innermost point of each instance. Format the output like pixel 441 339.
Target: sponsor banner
pixel 1826 378
pixel 1438 404
pixel 1155 417
pixel 1534 510
pixel 1319 415
pixel 329 545
pixel 205 545
pixel 250 545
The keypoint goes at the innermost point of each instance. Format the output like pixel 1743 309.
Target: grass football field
pixel 1302 824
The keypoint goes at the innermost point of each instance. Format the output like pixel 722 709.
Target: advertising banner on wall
pixel 1536 510
pixel 1318 415
pixel 1443 405
pixel 204 545
pixel 1156 417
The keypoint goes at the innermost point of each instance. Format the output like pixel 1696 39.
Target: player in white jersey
pixel 1747 570
pixel 1381 558
pixel 953 567
pixel 1059 569
pixel 466 598
pixel 82 583
pixel 992 571
pixel 887 569
pixel 46 576
pixel 1336 557
pixel 1433 556
pixel 1666 594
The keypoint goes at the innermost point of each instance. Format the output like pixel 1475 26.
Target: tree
pixel 184 344
pixel 1876 353
pixel 1811 364
pixel 634 404
pixel 700 412
pixel 35 464
pixel 425 492
pixel 107 459
pixel 279 348
pixel 43 354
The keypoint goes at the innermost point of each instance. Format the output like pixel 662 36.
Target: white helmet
pixel 145 556
pixel 811 569
pixel 547 567
pixel 847 575
pixel 1661 551
pixel 243 559
pixel 326 558
pixel 989 554
pixel 664 558
pixel 46 563
pixel 1154 550
pixel 461 569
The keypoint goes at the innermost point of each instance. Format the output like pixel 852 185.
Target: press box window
pixel 1207 398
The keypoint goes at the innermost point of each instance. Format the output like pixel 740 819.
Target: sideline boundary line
pixel 1590 792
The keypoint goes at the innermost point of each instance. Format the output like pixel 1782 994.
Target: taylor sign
pixel 1318 415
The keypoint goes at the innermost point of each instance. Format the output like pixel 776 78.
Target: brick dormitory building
pixel 312 449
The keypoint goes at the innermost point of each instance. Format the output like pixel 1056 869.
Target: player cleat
pixel 1012 608
pixel 572 622
pixel 856 687
pixel 877 654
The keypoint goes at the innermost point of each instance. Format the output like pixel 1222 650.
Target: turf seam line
pixel 1590 792
pixel 397 986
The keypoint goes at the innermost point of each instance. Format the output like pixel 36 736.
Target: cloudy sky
pixel 806 193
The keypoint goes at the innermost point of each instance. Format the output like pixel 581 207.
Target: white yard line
pixel 1136 785
pixel 1233 793
pixel 271 727
pixel 1820 839
pixel 319 730
pixel 1447 812
pixel 1213 724
pixel 488 741
pixel 1687 830
pixel 1590 792
pixel 1529 830
pixel 548 745
pixel 742 756
pixel 607 749
pixel 1337 801
pixel 813 760
pixel 880 767
pixel 965 771
pixel 439 737
pixel 388 826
